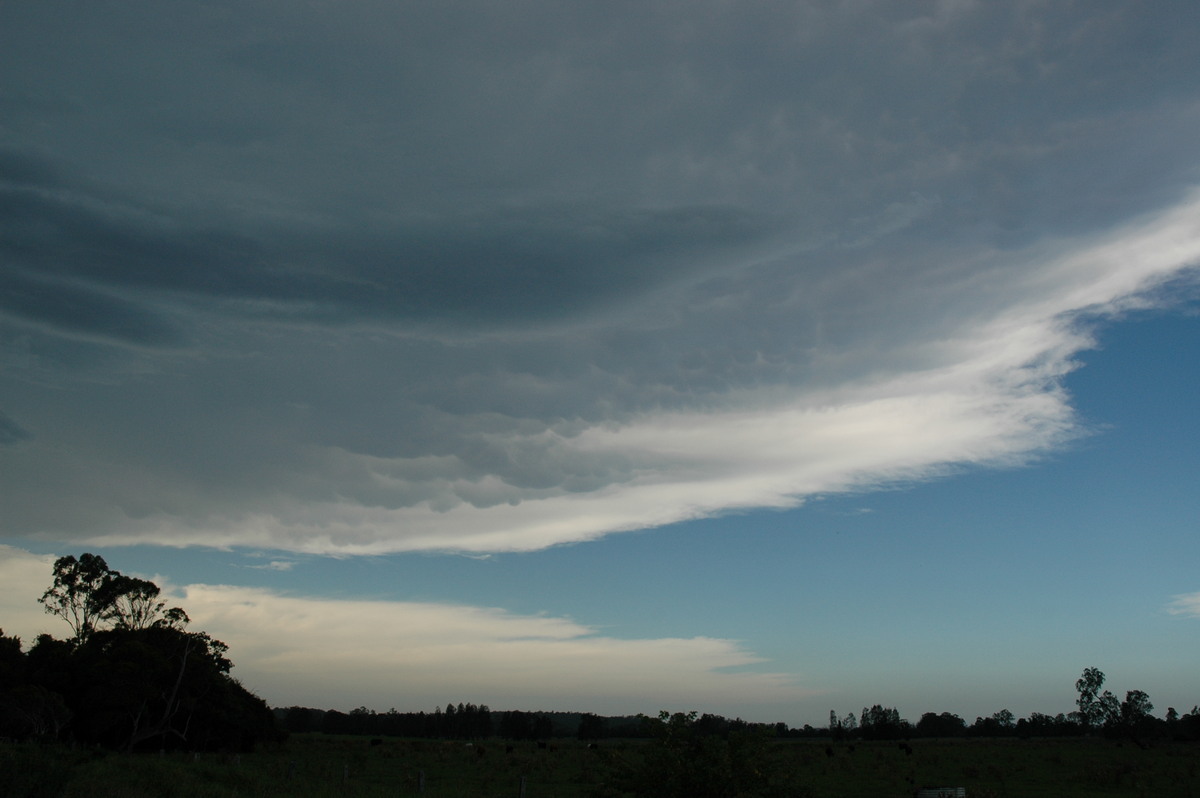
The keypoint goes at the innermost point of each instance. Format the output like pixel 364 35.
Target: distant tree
pixel 1042 725
pixel 944 725
pixel 882 723
pixel 1188 725
pixel 709 724
pixel 1130 717
pixel 516 725
pixel 1136 720
pixel 591 727
pixel 543 727
pixel 1000 724
pixel 1110 709
pixel 840 728
pixel 1091 710
pixel 1172 718
pixel 298 719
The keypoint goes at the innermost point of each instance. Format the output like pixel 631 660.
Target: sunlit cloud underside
pixel 982 387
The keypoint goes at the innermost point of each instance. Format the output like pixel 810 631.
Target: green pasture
pixel 320 766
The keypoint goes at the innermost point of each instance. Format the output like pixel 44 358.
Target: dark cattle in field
pixel 376 741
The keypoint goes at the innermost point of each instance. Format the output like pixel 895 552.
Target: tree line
pixel 131 676
pixel 1098 713
pixel 1131 719
pixel 462 722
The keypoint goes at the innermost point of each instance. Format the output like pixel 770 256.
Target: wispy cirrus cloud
pixel 1185 604
pixel 274 565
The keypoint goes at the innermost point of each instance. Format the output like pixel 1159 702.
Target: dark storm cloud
pixel 397 275
pixel 77 311
pixel 11 432
pixel 507 266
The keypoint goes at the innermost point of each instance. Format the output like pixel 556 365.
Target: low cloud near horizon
pixel 418 655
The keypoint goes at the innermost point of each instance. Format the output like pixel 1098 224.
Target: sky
pixel 761 359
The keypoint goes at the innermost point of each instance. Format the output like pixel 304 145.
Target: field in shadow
pixel 350 767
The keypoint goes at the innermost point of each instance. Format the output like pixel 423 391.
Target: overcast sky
pixel 758 358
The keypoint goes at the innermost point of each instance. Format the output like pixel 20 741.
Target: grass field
pixel 319 766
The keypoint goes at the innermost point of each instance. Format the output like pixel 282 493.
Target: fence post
pixel 522 787
pixel 420 781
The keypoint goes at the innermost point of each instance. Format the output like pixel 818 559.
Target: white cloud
pixel 411 655
pixel 1185 604
pixel 274 565
pixel 24 577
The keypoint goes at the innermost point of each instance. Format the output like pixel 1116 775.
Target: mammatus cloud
pixel 414 655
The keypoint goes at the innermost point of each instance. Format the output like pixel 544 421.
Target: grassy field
pixel 318 766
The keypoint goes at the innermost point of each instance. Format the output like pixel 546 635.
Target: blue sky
pixel 615 359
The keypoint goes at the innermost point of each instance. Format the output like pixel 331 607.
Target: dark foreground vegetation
pixel 131 677
pixel 319 766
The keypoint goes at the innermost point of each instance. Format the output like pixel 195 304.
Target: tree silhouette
pixel 131 676
pixel 132 603
pixel 86 593
pixel 80 592
pixel 882 723
pixel 1091 710
pixel 946 724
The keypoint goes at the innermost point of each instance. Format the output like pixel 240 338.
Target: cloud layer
pixel 386 279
